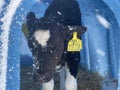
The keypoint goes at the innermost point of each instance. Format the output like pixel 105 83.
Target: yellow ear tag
pixel 75 44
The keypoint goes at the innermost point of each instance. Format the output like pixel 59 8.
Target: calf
pixel 48 39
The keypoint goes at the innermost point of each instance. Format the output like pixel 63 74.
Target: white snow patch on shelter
pixel 103 21
pixel 38 1
pixel 100 52
pixel 4 38
pixel 1 4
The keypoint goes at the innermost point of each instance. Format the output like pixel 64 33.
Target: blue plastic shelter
pixel 101 45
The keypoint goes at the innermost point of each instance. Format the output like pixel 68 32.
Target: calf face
pixel 47 49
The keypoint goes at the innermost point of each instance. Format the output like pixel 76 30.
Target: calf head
pixel 47 42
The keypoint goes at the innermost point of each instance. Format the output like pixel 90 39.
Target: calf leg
pixel 71 82
pixel 48 86
pixel 72 59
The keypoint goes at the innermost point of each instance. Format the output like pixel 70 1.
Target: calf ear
pixel 69 31
pixel 30 21
pixel 80 29
pixel 26 27
pixel 30 16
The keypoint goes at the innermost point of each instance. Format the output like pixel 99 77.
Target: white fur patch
pixel 42 36
pixel 71 82
pixel 48 86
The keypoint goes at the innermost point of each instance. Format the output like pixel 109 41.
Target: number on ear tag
pixel 75 44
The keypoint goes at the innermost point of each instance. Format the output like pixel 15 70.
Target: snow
pixel 1 4
pixel 4 38
pixel 97 10
pixel 47 3
pixel 100 52
pixel 70 28
pixel 29 73
pixel 38 0
pixel 58 12
pixel 99 60
pixel 103 21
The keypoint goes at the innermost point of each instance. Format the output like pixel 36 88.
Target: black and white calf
pixel 48 40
